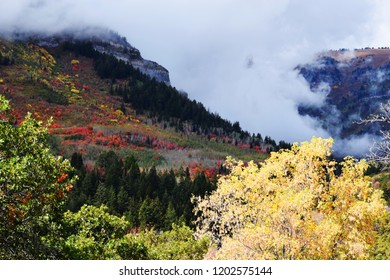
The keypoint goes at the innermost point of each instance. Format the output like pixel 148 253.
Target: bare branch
pixel 383 116
pixel 380 151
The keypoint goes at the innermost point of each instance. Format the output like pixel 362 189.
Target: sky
pixel 235 56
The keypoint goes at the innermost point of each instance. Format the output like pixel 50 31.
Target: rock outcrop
pixel 104 41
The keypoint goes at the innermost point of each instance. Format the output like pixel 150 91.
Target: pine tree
pixel 170 217
pixel 100 196
pixel 122 200
pixel 150 213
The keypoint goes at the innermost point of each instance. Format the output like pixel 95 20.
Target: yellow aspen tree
pixel 295 205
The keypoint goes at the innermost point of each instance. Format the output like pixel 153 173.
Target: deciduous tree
pixel 380 151
pixel 33 185
pixel 92 233
pixel 293 206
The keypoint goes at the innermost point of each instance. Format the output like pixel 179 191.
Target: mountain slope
pixel 103 41
pixel 355 83
pixel 99 103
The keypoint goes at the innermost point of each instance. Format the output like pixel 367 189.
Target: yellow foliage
pixel 75 61
pixel 294 206
pixel 119 113
pixel 134 120
pixel 73 90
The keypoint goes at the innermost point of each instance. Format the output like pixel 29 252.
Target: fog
pixel 235 56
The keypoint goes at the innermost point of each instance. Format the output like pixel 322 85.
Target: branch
pixel 383 117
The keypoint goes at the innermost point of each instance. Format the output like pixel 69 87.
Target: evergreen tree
pixel 150 213
pixel 167 185
pixel 122 200
pixel 132 177
pixel 132 214
pixel 152 184
pixel 77 161
pixel 112 202
pixel 90 183
pixel 101 195
pixel 170 217
pixel 200 185
pixel 114 173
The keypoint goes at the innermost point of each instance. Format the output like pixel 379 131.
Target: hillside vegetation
pixel 99 103
pixel 98 160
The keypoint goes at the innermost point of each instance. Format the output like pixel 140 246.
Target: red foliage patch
pixel 62 178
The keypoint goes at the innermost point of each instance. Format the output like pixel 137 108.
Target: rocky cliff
pixel 104 41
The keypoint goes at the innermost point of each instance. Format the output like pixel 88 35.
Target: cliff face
pixel 131 55
pixel 355 84
pixel 104 41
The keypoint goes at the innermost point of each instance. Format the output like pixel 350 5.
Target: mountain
pixel 103 41
pixel 353 84
pixel 103 95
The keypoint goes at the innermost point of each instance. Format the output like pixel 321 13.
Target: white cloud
pixel 206 45
pixel 355 146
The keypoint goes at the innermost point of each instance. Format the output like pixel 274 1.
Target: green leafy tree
pixel 382 245
pixel 296 205
pixel 177 244
pixel 92 233
pixel 33 187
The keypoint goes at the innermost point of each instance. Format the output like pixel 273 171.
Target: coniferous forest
pixel 147 198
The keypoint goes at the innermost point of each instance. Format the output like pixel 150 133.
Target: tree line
pixel 148 96
pixel 147 198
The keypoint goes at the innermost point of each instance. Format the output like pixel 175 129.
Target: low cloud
pixel 237 57
pixel 354 146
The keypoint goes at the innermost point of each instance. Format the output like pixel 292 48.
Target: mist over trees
pixel 380 151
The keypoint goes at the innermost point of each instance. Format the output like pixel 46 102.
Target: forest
pixel 101 202
pixel 147 198
pixel 298 204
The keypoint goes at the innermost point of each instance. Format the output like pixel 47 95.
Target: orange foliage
pixel 62 177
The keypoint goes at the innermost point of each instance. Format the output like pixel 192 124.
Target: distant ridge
pixel 354 83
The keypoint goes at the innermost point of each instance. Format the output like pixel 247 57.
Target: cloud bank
pixel 235 56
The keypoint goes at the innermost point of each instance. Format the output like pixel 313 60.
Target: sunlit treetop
pixel 293 206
